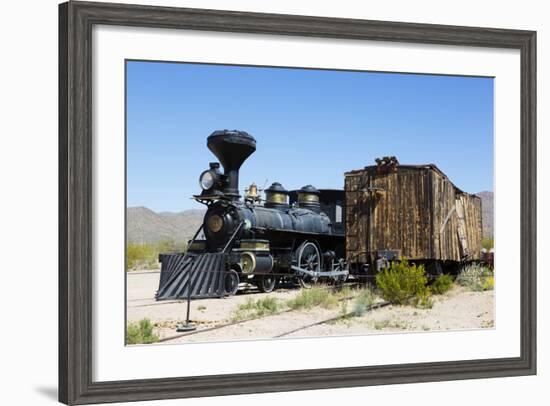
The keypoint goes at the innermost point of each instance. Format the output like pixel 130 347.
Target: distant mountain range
pixel 146 226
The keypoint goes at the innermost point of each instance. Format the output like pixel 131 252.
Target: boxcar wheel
pixel 231 282
pixel 267 282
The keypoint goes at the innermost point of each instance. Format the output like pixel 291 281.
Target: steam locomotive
pixel 297 236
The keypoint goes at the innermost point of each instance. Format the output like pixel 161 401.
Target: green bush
pixel 441 284
pixel 476 277
pixel 403 283
pixel 170 246
pixel 140 256
pixel 141 333
pixel 145 255
pixel 489 283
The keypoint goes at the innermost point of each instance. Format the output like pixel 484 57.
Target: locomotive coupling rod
pixel 315 274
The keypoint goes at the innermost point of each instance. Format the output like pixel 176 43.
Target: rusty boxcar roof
pixel 433 167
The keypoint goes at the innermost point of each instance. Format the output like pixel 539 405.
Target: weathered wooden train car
pixel 409 211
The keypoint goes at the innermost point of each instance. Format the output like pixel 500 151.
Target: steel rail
pixel 330 319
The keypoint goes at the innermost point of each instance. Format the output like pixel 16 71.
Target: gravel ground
pixel 458 309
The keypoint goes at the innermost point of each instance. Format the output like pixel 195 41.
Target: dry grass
pixel 317 296
pixel 390 324
pixel 253 309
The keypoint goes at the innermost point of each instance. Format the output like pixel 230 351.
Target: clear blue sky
pixel 311 126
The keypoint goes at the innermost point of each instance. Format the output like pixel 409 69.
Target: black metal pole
pixel 188 326
pixel 188 301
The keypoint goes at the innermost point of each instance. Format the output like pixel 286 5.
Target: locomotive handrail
pixel 232 237
pixel 193 240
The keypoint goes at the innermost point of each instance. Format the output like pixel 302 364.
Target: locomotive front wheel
pixel 266 283
pixel 231 282
pixel 309 258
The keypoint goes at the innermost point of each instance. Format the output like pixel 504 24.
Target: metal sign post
pixel 188 326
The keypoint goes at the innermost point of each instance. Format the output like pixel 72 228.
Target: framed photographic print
pixel 259 202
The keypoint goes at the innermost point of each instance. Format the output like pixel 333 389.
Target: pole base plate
pixel 182 328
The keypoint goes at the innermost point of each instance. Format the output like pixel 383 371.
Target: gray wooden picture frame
pixel 76 20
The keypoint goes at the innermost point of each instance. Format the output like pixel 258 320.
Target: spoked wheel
pixel 266 283
pixel 231 282
pixel 308 258
pixel 340 279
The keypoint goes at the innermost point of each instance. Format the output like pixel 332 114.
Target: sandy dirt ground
pixel 141 303
pixel 458 309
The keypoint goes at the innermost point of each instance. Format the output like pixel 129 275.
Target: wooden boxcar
pixel 409 211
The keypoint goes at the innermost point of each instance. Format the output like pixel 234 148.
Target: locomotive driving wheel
pixel 266 283
pixel 308 258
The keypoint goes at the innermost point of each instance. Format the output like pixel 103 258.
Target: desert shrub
pixel 441 284
pixel 423 300
pixel 476 277
pixel 252 309
pixel 489 283
pixel 344 310
pixel 145 255
pixel 362 302
pixel 403 283
pixel 487 243
pixel 141 256
pixel 141 333
pixel 170 246
pixel 316 296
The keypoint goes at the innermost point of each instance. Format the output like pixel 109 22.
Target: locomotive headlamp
pixel 210 177
pixel 207 180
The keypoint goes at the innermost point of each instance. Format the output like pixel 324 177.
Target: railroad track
pixel 331 319
pixel 304 327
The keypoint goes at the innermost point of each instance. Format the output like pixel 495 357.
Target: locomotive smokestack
pixel 232 148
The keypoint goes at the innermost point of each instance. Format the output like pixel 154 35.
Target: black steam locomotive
pixel 297 236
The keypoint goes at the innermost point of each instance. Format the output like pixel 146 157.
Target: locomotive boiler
pixel 250 240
